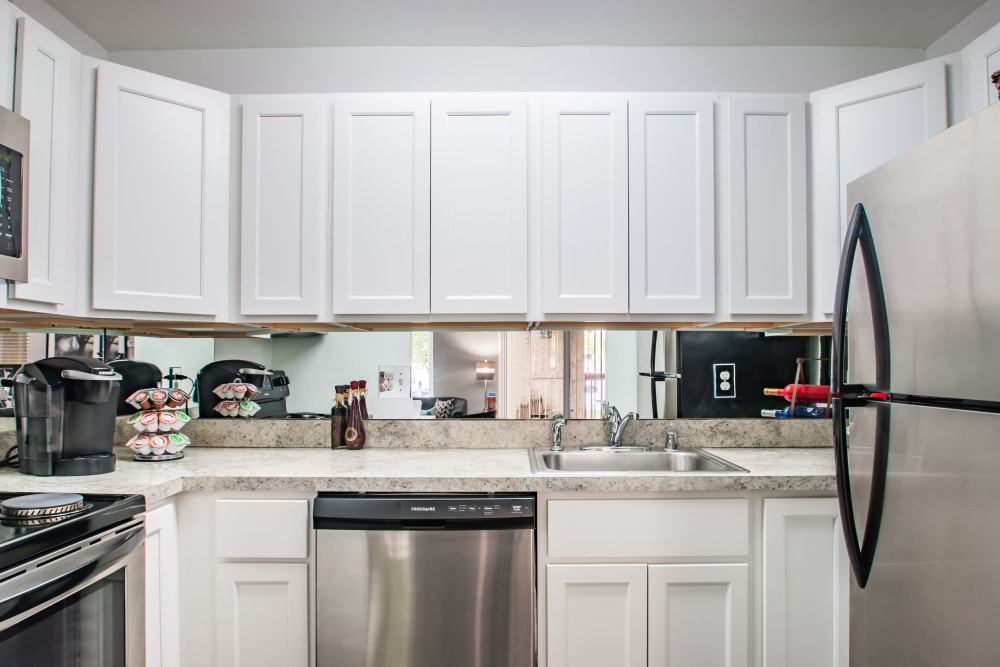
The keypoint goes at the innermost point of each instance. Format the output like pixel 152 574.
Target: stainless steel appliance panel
pixel 425 598
pixel 934 221
pixel 934 596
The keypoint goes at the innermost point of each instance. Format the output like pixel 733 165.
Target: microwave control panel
pixel 11 205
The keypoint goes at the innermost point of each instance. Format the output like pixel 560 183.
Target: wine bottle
pixel 363 397
pixel 338 417
pixel 354 434
pixel 803 412
pixel 809 393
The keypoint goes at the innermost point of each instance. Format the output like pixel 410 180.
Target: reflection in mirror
pixel 537 373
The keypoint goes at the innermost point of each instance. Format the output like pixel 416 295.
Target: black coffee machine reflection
pixel 273 386
pixel 64 409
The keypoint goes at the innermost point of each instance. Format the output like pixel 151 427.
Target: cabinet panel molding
pixel 767 195
pixel 479 205
pixel 161 190
pixel 282 219
pixel 671 205
pixel 584 204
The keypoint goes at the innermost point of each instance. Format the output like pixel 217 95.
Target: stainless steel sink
pixel 574 461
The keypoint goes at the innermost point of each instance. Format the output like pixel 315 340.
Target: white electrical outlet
pixel 724 380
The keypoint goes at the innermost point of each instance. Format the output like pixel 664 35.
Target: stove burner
pixel 42 507
pixel 306 415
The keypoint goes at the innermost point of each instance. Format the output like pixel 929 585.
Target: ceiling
pixel 193 24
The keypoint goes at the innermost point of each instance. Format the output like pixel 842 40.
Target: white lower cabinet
pixel 806 584
pixel 635 615
pixel 162 600
pixel 244 579
pixel 597 615
pixel 261 614
pixel 698 614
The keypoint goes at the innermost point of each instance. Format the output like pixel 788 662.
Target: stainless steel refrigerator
pixel 916 350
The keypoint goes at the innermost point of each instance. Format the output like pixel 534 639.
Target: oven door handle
pixel 52 577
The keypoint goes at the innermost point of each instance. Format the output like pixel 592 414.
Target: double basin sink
pixel 604 460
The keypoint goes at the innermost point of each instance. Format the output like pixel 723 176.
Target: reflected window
pixel 421 363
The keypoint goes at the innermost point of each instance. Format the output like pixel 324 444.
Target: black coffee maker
pixel 64 410
pixel 273 386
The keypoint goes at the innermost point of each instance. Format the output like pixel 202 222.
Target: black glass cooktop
pixel 25 538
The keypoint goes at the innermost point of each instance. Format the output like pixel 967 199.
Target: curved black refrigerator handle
pixel 861 554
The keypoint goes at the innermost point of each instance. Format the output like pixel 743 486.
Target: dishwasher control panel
pixel 462 508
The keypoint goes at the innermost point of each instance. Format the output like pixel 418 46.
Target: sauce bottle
pixel 338 417
pixel 354 434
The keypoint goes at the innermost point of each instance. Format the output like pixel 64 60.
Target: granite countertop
pixel 780 469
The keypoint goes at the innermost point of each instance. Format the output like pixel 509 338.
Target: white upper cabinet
pixel 767 202
pixel 980 59
pixel 671 182
pixel 282 213
pixel 584 251
pixel 47 93
pixel 857 127
pixel 381 205
pixel 479 205
pixel 161 195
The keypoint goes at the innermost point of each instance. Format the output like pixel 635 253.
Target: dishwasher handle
pixel 414 512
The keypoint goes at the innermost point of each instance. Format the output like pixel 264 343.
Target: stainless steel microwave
pixel 14 141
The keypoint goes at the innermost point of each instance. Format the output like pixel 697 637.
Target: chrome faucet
pixel 616 422
pixel 558 421
pixel 619 428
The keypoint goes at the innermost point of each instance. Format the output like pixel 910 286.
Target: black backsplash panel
pixel 760 362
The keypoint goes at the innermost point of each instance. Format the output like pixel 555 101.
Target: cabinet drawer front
pixel 261 528
pixel 648 528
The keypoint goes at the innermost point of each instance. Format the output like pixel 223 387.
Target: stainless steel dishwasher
pixel 425 580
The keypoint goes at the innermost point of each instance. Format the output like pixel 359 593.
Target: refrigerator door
pixel 934 595
pixel 934 223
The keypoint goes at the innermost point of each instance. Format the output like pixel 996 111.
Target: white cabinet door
pixel 161 195
pixel 163 635
pixel 479 205
pixel 381 206
pixel 671 205
pixel 806 584
pixel 856 127
pixel 282 215
pixel 699 615
pixel 262 615
pixel 596 615
pixel 584 252
pixel 47 93
pixel 767 195
pixel 980 59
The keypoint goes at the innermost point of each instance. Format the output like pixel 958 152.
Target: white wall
pixel 969 28
pixel 190 354
pixel 556 68
pixel 316 365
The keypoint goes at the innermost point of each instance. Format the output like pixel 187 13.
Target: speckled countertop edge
pixel 422 470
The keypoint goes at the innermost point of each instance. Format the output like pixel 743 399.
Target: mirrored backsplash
pixel 527 375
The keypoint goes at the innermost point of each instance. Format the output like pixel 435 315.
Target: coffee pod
pixel 182 418
pixel 168 421
pixel 251 392
pixel 176 442
pixel 140 400
pixel 149 421
pixel 224 391
pixel 176 398
pixel 239 391
pixel 133 421
pixel 158 398
pixel 140 444
pixel 158 443
pixel 245 408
